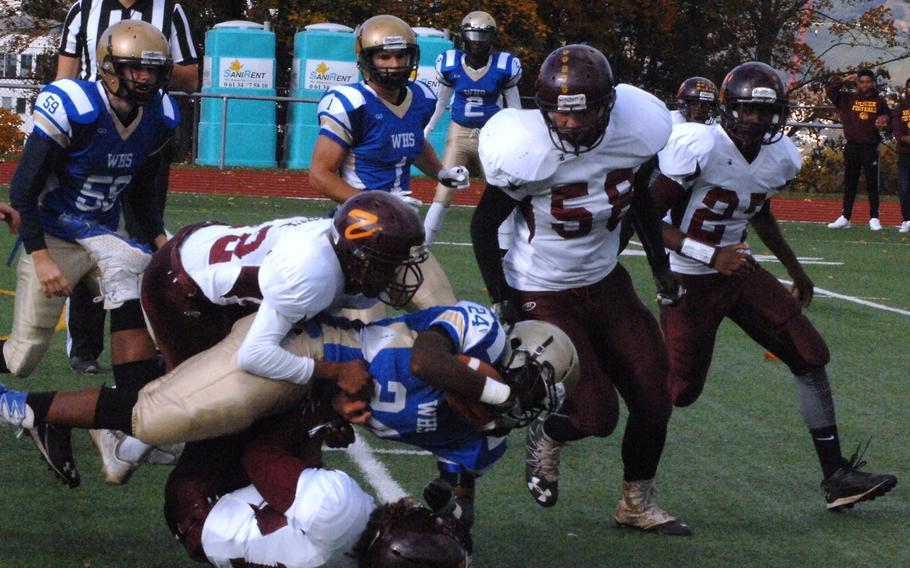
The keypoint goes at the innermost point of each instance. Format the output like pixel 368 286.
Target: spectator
pixel 900 123
pixel 862 113
pixel 84 23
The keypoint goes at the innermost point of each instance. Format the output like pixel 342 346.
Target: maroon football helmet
pixel 403 535
pixel 379 241
pixel 576 79
pixel 754 86
pixel 697 98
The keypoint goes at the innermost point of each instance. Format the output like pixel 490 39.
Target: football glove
pixel 456 178
pixel 670 291
pixel 408 199
pixel 507 313
pixel 440 497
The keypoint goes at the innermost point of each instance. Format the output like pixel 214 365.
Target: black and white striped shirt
pixel 87 20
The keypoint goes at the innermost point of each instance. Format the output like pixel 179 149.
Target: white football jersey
pixel 676 117
pixel 728 191
pixel 570 206
pixel 291 262
pixel 328 514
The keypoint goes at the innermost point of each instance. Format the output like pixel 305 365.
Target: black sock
pixel 3 368
pixel 560 429
pixel 40 403
pixel 827 446
pixel 136 374
pixel 114 410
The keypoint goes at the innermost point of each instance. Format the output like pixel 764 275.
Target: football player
pixel 210 275
pixel 90 141
pixel 264 498
pixel 372 132
pixel 715 181
pixel 696 101
pixel 482 81
pixel 580 167
pixel 209 396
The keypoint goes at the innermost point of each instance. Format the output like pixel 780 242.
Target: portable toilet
pixel 239 60
pixel 432 43
pixel 323 58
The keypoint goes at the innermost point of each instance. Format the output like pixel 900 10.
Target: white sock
pixel 433 221
pixel 132 449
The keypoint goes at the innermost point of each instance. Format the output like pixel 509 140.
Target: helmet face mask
pixel 379 241
pixel 575 94
pixel 753 104
pixel 124 52
pixel 382 35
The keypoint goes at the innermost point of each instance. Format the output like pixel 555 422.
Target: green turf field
pixel 739 466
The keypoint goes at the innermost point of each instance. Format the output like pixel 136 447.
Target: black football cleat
pixel 54 444
pixel 542 465
pixel 850 485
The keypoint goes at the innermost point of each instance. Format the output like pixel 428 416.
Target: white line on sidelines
pixel 387 489
pixel 854 299
pixel 387 451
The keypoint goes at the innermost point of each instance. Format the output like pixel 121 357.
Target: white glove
pixel 456 178
pixel 408 199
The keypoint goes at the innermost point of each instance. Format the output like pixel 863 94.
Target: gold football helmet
pixel 478 32
pixel 133 43
pixel 386 33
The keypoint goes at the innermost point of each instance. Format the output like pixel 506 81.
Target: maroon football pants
pixel 758 304
pixel 620 349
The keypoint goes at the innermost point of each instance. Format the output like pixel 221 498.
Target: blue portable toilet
pixel 239 60
pixel 323 58
pixel 432 43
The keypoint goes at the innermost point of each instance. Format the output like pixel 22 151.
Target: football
pixel 474 412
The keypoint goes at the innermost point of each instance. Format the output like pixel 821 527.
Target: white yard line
pixel 387 489
pixel 387 451
pixel 854 299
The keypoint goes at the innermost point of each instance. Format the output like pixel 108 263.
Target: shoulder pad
pixel 170 112
pixel 507 163
pixel 448 60
pixel 423 90
pixel 508 65
pixel 689 143
pixel 78 99
pixel 634 108
pixel 344 98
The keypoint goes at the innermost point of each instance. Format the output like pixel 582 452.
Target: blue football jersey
pixel 382 139
pixel 409 410
pixel 101 155
pixel 477 92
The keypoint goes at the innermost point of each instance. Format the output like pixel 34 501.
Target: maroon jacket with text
pixel 858 112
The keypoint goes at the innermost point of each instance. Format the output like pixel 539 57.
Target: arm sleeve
pixel 183 51
pixel 511 98
pixel 647 223
pixel 28 182
pixel 261 352
pixel 445 95
pixel 494 207
pixel 142 194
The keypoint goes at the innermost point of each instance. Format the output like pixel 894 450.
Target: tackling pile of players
pixel 257 371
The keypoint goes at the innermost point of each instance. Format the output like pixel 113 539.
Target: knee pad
pixel 128 316
pixel 811 349
pixel 122 263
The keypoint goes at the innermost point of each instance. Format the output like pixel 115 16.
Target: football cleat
pixel 849 485
pixel 116 471
pixel 13 409
pixel 840 223
pixel 637 509
pixel 875 224
pixel 905 227
pixel 164 455
pixel 55 445
pixel 542 464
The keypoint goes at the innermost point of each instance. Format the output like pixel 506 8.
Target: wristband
pixel 494 392
pixel 698 251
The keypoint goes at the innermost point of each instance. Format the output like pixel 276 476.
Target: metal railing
pixel 197 97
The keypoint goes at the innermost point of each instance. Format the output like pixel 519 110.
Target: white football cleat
pixel 116 471
pixel 637 509
pixel 874 224
pixel 905 227
pixel 840 223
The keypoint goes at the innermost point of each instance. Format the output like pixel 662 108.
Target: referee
pixel 84 24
